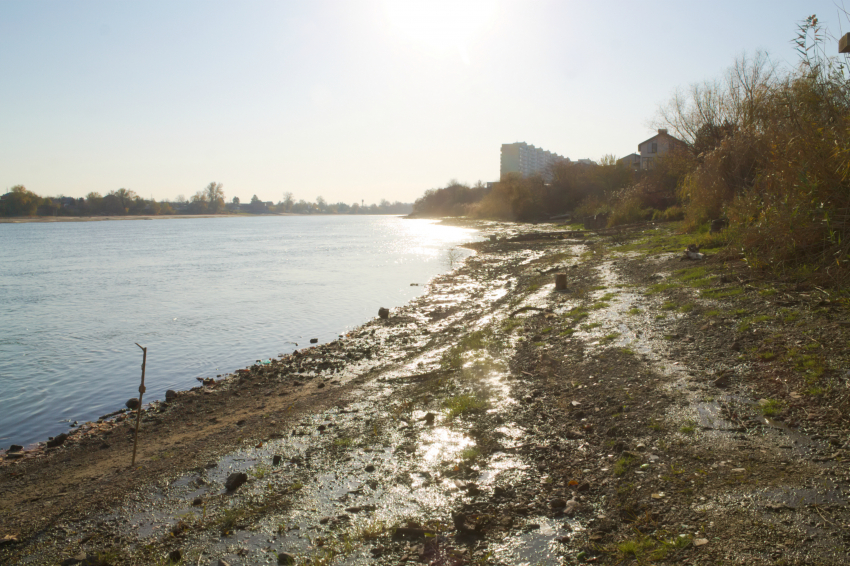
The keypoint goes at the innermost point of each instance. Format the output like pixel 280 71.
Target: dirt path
pixel 657 411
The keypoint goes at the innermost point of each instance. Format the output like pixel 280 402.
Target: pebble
pixel 285 558
pixel 170 395
pixel 58 440
pixel 235 480
pixel 132 404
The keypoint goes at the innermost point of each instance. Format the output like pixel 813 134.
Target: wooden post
pixel 139 409
pixel 560 281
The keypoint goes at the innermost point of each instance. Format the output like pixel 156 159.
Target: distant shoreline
pixel 49 219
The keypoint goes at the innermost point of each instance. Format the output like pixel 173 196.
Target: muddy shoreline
pixel 657 411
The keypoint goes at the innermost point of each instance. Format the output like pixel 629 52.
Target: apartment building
pixel 527 160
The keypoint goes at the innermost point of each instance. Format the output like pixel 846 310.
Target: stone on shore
pixel 58 440
pixel 132 404
pixel 235 480
pixel 170 395
pixel 383 313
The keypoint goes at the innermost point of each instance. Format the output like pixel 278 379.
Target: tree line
pixel 767 152
pixel 210 200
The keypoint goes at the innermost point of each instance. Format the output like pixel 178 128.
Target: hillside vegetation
pixel 768 149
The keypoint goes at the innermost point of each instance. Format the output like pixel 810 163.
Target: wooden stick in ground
pixel 139 409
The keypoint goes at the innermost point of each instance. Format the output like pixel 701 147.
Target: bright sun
pixel 441 26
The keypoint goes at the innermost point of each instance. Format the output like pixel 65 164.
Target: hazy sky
pixel 348 99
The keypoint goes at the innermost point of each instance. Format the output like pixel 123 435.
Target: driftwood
pixel 139 410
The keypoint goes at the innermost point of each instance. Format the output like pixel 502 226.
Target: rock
pixel 640 447
pixel 58 440
pixel 197 502
pixel 320 385
pixel 175 556
pixel 558 503
pixel 737 471
pixel 235 480
pixel 429 418
pixel 722 381
pixel 383 313
pixel 370 468
pixel 222 562
pixel 132 404
pixel 314 340
pixel 583 486
pixel 276 459
pixel 700 541
pixel 572 507
pixel 15 448
pixel 170 395
pixel 285 558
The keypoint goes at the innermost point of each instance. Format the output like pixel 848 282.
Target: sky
pixel 349 99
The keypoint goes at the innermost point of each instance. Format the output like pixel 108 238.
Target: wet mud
pixel 632 418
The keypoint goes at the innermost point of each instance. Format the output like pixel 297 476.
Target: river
pixel 205 296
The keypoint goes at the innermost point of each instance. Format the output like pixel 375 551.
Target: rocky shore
pixel 657 410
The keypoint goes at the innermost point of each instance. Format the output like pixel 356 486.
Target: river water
pixel 206 296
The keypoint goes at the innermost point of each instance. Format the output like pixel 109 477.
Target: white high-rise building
pixel 528 160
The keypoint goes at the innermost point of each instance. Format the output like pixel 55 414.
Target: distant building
pixel 527 160
pixel 631 161
pixel 657 146
pixel 587 162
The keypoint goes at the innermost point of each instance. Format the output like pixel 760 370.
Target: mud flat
pixel 656 411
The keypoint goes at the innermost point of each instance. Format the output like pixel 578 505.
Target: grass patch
pixel 661 287
pixel 721 293
pixel 463 404
pixel 610 337
pixel 687 307
pixel 567 332
pixel 689 428
pixel 591 326
pixel 712 313
pixel 634 311
pixel 599 305
pixel 670 305
pixel 453 358
pixel 771 407
pixel 345 441
pixel 624 464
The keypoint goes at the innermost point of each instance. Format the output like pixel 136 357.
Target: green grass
pixel 670 305
pixel 567 332
pixel 712 313
pixel 453 358
pixel 463 404
pixel 721 293
pixel 687 307
pixel 599 305
pixel 610 337
pixel 689 427
pixel 634 311
pixel 771 408
pixel 661 287
pixel 511 323
pixel 624 464
pixel 345 441
pixel 470 454
pixel 591 326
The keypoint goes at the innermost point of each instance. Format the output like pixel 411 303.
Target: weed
pixel 567 332
pixel 661 287
pixel 688 428
pixel 634 311
pixel 591 326
pixel 260 471
pixel 462 404
pixel 721 293
pixel 712 313
pixel 687 307
pixel 771 407
pixel 343 441
pixel 670 305
pixel 655 425
pixel 610 337
pixel 624 464
pixel 470 454
pixel 599 305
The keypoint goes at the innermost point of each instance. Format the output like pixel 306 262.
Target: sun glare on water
pixel 441 27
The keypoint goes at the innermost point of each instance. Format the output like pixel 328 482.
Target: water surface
pixel 205 296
